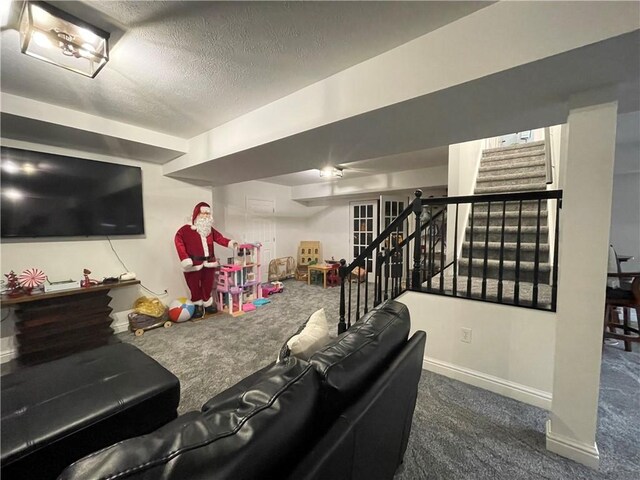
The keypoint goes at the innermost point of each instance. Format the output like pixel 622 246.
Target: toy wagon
pixel 140 323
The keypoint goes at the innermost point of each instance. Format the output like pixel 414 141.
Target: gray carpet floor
pixel 459 431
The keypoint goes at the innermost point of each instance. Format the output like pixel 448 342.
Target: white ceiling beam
pixel 37 116
pixel 494 39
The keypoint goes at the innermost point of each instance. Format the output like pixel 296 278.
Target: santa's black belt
pixel 202 259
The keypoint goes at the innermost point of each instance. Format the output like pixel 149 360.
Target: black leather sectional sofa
pixel 344 414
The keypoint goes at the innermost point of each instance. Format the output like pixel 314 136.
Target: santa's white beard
pixel 203 225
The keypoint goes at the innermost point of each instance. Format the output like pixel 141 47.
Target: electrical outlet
pixel 466 335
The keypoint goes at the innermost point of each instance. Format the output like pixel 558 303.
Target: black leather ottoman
pixel 55 413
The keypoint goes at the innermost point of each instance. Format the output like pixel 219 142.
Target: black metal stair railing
pixel 386 261
pixel 507 253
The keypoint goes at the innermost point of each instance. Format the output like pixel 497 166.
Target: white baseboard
pixel 120 326
pixel 517 391
pixel 7 355
pixel 579 452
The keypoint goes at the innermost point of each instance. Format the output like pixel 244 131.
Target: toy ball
pixel 181 310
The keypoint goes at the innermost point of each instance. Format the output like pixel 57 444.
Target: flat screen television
pixel 45 195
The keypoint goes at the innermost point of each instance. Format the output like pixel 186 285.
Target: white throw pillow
pixel 314 335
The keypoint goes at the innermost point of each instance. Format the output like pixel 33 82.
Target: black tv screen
pixel 46 195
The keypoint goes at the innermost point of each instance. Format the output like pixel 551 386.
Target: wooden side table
pixel 55 324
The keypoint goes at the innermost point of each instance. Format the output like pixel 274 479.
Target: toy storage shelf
pixel 56 324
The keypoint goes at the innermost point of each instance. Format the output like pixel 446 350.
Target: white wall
pixel 330 225
pixel 625 218
pixel 327 220
pixel 230 213
pixel 625 210
pixel 511 350
pixel 464 161
pixel 168 204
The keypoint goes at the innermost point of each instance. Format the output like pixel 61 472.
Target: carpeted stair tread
pixel 513 157
pixel 519 177
pixel 511 218
pixel 529 187
pixel 494 229
pixel 508 287
pixel 512 206
pixel 520 146
pixel 496 212
pixel 533 165
pixel 525 247
pixel 525 266
pixel 508 182
pixel 510 252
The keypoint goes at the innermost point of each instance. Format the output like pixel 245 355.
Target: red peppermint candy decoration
pixel 31 278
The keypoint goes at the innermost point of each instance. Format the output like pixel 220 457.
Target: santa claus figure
pixel 194 244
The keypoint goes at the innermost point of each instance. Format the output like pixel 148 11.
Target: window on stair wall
pixel 515 138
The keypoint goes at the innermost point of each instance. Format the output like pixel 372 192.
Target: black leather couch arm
pixel 369 439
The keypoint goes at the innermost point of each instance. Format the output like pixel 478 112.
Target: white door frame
pixel 262 210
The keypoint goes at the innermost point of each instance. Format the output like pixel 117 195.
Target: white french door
pixel 261 227
pixel 390 207
pixel 364 229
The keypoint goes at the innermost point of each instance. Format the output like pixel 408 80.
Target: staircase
pixel 505 257
pixel 512 169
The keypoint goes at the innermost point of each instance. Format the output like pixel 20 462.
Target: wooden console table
pixel 55 324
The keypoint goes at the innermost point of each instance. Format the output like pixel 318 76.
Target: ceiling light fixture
pixel 331 172
pixel 57 37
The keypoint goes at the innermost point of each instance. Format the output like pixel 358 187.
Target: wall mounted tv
pixel 46 195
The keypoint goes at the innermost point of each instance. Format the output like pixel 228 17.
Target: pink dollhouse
pixel 238 284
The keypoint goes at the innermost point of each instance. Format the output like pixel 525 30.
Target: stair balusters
pixel 513 275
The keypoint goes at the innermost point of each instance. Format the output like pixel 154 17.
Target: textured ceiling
pixel 489 106
pixel 185 67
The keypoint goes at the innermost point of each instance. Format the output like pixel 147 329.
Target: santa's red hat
pixel 202 207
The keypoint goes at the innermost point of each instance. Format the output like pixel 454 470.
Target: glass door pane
pixel 364 226
pixel 391 207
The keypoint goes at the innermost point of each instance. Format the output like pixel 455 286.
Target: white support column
pixel 584 240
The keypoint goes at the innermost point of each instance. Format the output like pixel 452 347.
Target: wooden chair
pixel 625 299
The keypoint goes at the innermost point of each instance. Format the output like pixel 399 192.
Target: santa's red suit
pixel 197 257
